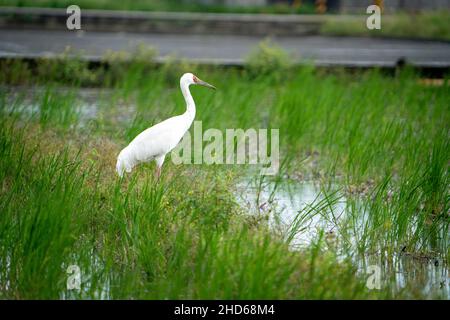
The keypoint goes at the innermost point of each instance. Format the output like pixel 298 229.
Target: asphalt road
pixel 229 49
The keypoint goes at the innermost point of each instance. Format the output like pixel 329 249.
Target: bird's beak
pixel 205 84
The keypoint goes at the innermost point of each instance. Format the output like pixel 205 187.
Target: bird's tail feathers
pixel 120 166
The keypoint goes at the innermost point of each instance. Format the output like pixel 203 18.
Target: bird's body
pixel 152 144
pixel 155 142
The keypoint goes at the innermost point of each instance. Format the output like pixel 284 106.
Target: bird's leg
pixel 159 162
pixel 157 173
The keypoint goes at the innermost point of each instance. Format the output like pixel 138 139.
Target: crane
pixel 155 142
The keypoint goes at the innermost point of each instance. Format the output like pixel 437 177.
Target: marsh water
pixel 301 212
pixel 286 203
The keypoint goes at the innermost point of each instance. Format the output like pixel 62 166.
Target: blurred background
pixel 255 6
pixel 324 32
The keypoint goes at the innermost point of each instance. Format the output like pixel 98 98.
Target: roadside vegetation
pixel 432 25
pixel 162 5
pixel 422 25
pixel 381 140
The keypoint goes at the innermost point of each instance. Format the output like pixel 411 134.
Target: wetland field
pixel 359 208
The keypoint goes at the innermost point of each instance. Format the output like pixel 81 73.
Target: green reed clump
pixel 37 212
pixel 57 109
pixel 268 59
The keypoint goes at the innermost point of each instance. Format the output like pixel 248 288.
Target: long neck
pixel 190 104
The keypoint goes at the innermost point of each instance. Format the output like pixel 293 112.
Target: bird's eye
pixel 195 79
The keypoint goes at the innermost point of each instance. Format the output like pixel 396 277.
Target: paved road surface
pixel 229 49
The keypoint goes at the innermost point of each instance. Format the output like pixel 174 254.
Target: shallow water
pixel 282 204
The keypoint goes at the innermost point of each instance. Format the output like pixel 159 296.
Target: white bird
pixel 155 142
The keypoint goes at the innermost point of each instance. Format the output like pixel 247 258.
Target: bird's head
pixel 189 78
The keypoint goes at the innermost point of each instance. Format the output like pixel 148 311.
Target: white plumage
pixel 155 142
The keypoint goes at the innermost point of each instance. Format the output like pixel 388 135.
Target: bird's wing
pixel 159 139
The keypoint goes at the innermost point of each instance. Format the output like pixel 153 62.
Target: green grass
pixel 161 5
pixel 383 140
pixel 424 25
